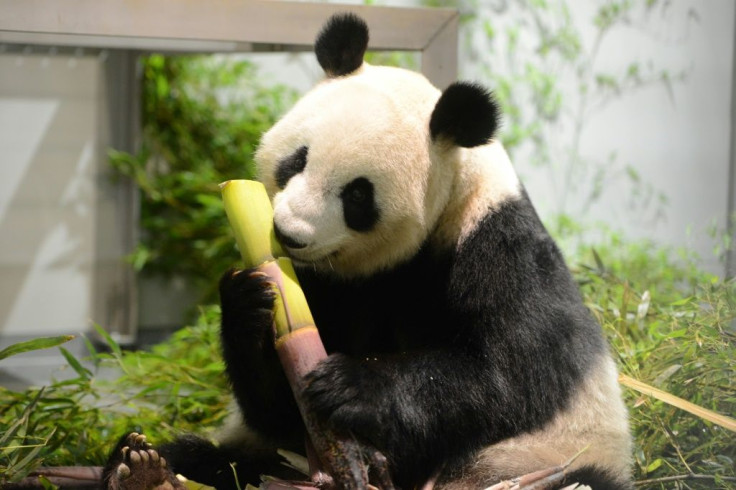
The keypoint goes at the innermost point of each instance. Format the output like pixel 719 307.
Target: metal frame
pixel 129 28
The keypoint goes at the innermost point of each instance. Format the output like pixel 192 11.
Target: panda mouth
pixel 302 259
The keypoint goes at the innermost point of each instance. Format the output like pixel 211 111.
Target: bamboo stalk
pixel 709 415
pixel 298 343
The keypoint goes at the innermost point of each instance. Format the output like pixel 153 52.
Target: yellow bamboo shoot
pixel 250 215
pixel 298 343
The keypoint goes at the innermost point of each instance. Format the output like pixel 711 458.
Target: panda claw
pixel 135 458
pixel 123 471
pixel 144 457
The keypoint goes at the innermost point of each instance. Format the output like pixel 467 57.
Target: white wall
pixel 678 141
pixel 49 158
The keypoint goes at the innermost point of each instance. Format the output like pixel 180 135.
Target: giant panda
pixel 458 342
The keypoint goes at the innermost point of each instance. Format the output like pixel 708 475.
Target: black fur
pixel 290 166
pixel 466 114
pixel 439 357
pixel 443 356
pixel 359 205
pixel 253 367
pixel 598 479
pixel 341 44
pixel 202 461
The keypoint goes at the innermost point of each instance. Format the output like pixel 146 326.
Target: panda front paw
pixel 350 397
pixel 247 299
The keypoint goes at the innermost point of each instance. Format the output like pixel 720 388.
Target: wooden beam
pixel 126 24
pixel 439 56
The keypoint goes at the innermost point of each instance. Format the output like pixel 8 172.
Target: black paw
pixel 247 299
pixel 136 465
pixel 350 397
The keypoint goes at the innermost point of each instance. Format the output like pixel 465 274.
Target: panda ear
pixel 341 44
pixel 465 114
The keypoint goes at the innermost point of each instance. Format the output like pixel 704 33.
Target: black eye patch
pixel 359 205
pixel 290 166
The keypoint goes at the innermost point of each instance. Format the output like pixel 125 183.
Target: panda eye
pixel 359 206
pixel 357 195
pixel 291 166
pixel 358 191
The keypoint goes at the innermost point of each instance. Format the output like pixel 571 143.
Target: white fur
pixel 596 417
pixel 375 124
pixel 483 178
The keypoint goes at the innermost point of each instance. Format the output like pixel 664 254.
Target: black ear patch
pixel 466 113
pixel 290 166
pixel 341 44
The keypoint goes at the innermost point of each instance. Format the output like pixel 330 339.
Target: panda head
pixel 362 170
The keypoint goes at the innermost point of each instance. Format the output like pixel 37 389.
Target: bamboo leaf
pixel 47 485
pixel 654 465
pixel 75 364
pixel 110 341
pixel 35 344
pixel 28 459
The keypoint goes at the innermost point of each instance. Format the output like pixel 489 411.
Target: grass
pixel 670 325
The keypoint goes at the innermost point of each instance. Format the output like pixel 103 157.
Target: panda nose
pixel 286 240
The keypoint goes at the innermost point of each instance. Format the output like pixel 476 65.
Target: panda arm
pixel 259 384
pixel 417 407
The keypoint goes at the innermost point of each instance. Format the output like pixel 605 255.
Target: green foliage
pixel 672 326
pixel 402 59
pixel 35 344
pixel 202 119
pixel 176 386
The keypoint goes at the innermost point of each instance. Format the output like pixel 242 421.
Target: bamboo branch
pixel 80 477
pixel 689 476
pixel 297 340
pixel 709 415
pixel 546 479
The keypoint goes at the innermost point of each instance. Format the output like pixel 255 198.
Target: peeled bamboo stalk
pixel 298 343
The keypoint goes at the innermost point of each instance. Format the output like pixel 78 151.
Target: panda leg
pixel 224 467
pixel 136 465
pixel 599 479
